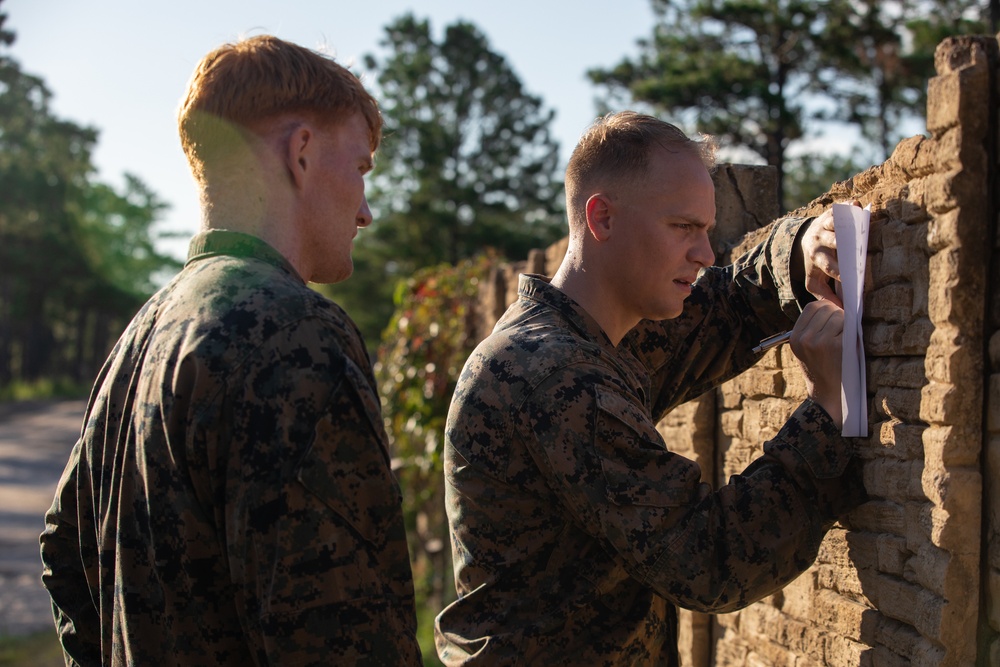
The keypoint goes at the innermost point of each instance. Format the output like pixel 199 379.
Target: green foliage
pixel 810 175
pixel 40 649
pixel 43 389
pixel 423 351
pixel 883 55
pixel 739 68
pixel 759 74
pixel 118 238
pixel 76 257
pixel 467 164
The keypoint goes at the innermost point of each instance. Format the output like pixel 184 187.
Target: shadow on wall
pixel 886 572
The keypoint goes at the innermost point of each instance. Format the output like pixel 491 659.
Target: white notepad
pixel 850 223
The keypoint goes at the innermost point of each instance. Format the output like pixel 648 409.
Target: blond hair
pixel 615 151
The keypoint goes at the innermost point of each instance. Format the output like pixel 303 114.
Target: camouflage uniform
pixel 230 500
pixel 574 530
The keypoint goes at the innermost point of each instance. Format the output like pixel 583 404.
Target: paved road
pixel 35 441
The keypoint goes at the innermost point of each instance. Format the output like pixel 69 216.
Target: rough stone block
pixel 897 403
pixel 905 602
pixel 962 51
pixel 896 263
pixel 952 446
pixel 729 395
pixel 798 638
pixel 942 403
pixel 842 652
pixel 912 158
pixel 887 340
pixel 993 592
pixel 839 615
pixel 935 192
pixel 892 303
pixel 894 480
pixel 797 597
pixel 954 356
pixel 758 382
pixel 891 553
pixel 918 524
pixel 770 655
pixel 916 337
pixel 841 580
pixel 900 440
pixel 959 98
pixel 956 514
pixel 763 418
pixel 730 651
pixel 901 372
pixel 993 404
pixel 554 255
pixel 880 516
pixel 956 290
pixel 928 568
pixel 902 640
pixel 731 422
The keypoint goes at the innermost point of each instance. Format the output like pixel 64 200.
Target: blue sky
pixel 122 65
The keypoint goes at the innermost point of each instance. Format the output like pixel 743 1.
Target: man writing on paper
pixel 575 532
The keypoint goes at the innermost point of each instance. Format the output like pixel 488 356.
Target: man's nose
pixel 702 252
pixel 364 213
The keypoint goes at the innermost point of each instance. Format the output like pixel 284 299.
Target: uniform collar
pixel 537 288
pixel 223 242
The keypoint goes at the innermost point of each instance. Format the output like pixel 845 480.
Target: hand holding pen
pixel 772 341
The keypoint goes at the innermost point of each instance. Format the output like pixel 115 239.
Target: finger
pixel 825 219
pixel 820 321
pixel 824 291
pixel 814 316
pixel 825 264
pixel 822 274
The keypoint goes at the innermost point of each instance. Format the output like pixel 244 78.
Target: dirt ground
pixel 35 441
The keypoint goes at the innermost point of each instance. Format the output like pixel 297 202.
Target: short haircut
pixel 242 85
pixel 615 151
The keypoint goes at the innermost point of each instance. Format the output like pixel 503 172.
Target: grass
pixel 425 636
pixel 40 649
pixel 20 390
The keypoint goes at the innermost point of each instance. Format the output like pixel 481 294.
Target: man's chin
pixel 333 278
pixel 666 313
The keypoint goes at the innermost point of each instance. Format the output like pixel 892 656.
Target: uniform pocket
pixel 637 468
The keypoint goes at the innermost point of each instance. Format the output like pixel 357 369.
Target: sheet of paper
pixel 850 223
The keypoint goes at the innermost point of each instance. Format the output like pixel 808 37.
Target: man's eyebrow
pixel 701 224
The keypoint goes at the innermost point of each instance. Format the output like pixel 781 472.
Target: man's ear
pixel 599 216
pixel 298 153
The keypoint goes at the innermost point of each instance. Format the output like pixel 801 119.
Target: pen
pixel 773 341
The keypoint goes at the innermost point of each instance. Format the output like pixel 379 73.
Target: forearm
pixel 764 528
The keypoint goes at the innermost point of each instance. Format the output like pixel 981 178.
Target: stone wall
pixel 913 576
pixel 898 583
